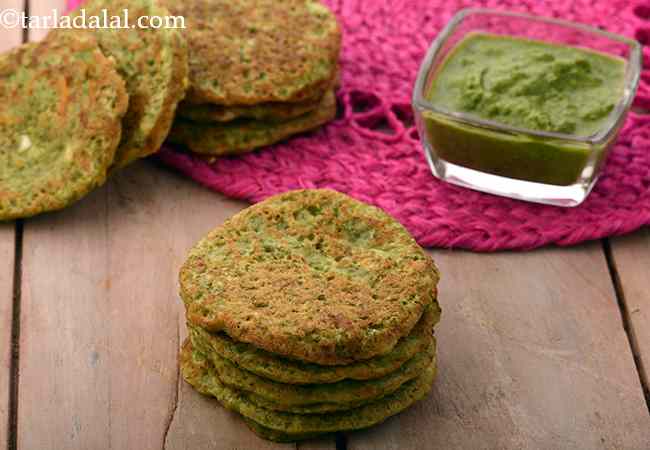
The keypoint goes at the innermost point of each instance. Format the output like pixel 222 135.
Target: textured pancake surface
pixel 244 135
pixel 253 51
pixel 198 372
pixel 342 395
pixel 61 105
pixel 312 275
pixel 289 371
pixel 154 64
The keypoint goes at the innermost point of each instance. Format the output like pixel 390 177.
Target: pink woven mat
pixel 384 42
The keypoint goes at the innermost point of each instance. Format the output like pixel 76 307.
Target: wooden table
pixel 541 350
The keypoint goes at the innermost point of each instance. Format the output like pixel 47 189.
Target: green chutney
pixel 526 84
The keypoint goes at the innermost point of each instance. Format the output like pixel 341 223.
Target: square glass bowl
pixel 544 167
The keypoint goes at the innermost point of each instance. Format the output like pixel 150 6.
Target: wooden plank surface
pixel 532 355
pixel 7 235
pixel 201 423
pixel 9 38
pixel 103 321
pixel 631 257
pixel 100 312
pixel 64 387
pixel 532 351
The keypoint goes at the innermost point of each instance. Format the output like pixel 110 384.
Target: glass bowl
pixel 570 163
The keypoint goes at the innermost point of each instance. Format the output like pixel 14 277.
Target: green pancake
pixel 277 436
pixel 154 64
pixel 247 52
pixel 197 371
pixel 289 371
pixel 61 105
pixel 342 395
pixel 390 385
pixel 245 135
pixel 266 112
pixel 314 408
pixel 311 275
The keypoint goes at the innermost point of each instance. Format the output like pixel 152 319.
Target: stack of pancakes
pixel 310 313
pixel 260 71
pixel 82 103
pixel 154 65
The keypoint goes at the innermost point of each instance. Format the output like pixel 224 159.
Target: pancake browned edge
pixel 269 111
pixel 289 371
pixel 196 370
pixel 256 51
pixel 314 398
pixel 61 105
pixel 154 64
pixel 245 135
pixel 277 436
pixel 312 275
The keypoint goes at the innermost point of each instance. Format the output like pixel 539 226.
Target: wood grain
pixel 100 312
pixel 7 236
pixel 103 321
pixel 64 389
pixel 532 355
pixel 631 256
pixel 532 350
pixel 201 423
pixel 9 38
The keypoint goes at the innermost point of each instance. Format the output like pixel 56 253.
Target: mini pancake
pixel 245 135
pixel 272 112
pixel 314 408
pixel 154 64
pixel 61 105
pixel 285 370
pixel 312 275
pixel 256 51
pixel 197 371
pixel 375 390
pixel 340 395
pixel 277 436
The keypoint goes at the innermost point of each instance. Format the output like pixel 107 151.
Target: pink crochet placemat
pixel 384 42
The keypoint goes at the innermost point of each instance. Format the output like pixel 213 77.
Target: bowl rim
pixel 614 119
